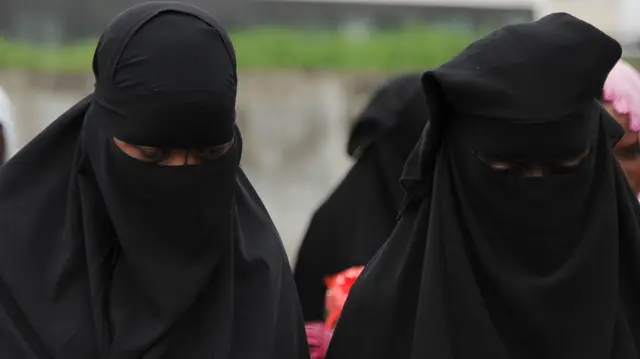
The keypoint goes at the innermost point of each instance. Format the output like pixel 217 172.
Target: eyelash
pixel 157 155
pixel 211 154
pixel 630 152
pixel 154 155
pixel 556 168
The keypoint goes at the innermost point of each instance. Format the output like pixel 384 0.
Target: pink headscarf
pixel 622 91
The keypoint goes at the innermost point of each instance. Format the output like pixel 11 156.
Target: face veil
pixel 110 256
pixel 533 220
pixel 488 261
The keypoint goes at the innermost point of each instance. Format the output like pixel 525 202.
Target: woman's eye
pixel 629 152
pixel 571 163
pixel 499 166
pixel 209 154
pixel 153 154
pixel 574 162
pixel 214 152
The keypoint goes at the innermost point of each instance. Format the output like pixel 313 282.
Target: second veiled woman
pixel 519 237
pixel 356 219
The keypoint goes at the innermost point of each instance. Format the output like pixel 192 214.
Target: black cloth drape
pixel 107 256
pixel 491 259
pixel 356 219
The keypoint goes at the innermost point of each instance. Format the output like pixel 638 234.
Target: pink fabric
pixel 622 91
pixel 319 337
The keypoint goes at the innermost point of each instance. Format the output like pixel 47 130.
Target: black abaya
pixel 356 219
pixel 106 256
pixel 489 259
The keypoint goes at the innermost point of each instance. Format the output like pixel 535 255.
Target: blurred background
pixel 306 69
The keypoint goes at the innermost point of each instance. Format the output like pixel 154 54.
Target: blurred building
pixel 476 15
pixel 55 21
pixel 620 18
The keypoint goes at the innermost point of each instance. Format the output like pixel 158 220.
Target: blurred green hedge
pixel 273 48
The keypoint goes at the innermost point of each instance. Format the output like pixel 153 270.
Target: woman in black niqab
pixel 103 255
pixel 519 234
pixel 357 218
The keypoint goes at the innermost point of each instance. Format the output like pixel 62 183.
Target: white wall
pixel 629 16
pixel 620 18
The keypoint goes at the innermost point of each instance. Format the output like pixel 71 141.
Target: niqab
pixel 357 218
pixel 106 256
pixel 492 264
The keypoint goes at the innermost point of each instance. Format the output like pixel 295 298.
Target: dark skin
pixel 536 170
pixel 627 150
pixel 173 156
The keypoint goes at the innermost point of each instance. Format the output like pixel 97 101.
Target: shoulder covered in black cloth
pixel 105 255
pixel 487 263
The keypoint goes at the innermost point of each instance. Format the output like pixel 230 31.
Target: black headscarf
pixel 106 256
pixel 359 215
pixel 492 264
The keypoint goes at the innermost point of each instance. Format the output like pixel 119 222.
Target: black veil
pixel 491 264
pixel 106 256
pixel 358 216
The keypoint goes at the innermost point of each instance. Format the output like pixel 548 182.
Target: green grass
pixel 403 49
pixel 68 58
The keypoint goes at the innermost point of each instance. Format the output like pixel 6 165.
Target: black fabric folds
pixel 487 263
pixel 106 256
pixel 356 219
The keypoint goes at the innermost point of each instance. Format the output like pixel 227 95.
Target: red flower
pixel 338 287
